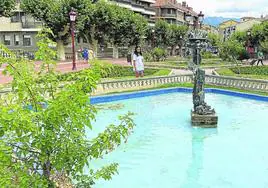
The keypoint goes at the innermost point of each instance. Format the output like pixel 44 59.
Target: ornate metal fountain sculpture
pixel 202 114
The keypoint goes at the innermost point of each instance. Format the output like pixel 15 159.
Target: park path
pixel 66 66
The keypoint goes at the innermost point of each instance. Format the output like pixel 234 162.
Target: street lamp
pixel 188 18
pixel 72 15
pixel 201 18
pixel 153 32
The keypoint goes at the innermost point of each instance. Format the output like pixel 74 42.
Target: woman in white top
pixel 138 62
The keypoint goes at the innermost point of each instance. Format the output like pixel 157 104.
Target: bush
pixel 263 70
pixel 148 57
pixel 243 55
pixel 159 54
pixel 207 55
pixel 107 71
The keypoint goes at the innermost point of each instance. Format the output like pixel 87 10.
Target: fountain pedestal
pixel 205 121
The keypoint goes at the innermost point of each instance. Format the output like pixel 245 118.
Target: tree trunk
pixel 115 52
pixel 94 42
pixel 60 50
pixel 173 51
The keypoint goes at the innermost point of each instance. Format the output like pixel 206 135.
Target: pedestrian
pixel 138 65
pixel 129 61
pixel 260 57
pixel 85 55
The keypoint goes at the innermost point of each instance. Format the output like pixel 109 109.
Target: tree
pixel 214 39
pixel 116 25
pixel 176 34
pixel 55 15
pixel 6 7
pixel 43 137
pixel 161 34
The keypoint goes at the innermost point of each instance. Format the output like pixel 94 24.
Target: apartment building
pixel 174 13
pixel 18 32
pixel 143 7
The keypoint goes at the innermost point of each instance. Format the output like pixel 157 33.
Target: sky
pixel 230 8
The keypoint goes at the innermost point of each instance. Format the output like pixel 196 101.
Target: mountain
pixel 215 21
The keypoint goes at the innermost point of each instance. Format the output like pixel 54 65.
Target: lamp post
pixel 153 33
pixel 201 18
pixel 188 17
pixel 249 44
pixel 72 15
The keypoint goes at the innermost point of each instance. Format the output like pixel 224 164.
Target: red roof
pixel 175 5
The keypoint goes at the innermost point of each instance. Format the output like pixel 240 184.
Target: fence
pixel 134 84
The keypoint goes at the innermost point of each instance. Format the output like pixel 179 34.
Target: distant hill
pixel 215 21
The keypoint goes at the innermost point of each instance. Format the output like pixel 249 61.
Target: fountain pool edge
pixel 139 94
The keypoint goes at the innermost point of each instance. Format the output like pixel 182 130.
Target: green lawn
pixel 229 72
pixel 216 62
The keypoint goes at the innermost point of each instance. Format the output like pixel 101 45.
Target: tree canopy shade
pixel 6 7
pixel 55 15
pixel 102 21
pixel 43 137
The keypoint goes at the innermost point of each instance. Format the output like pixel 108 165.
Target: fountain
pixel 202 114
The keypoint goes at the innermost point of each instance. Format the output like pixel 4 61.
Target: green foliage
pixel 42 136
pixel 109 71
pixel 159 54
pixel 256 70
pixel 244 55
pixel 214 39
pixel 264 46
pixel 148 57
pixel 240 36
pixel 206 55
pixel 176 33
pixel 55 15
pixel 6 7
pixel 161 33
pixel 231 50
pixel 166 34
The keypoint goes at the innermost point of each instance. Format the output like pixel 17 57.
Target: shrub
pixel 243 55
pixel 207 55
pixel 148 56
pixel 159 54
pixel 107 71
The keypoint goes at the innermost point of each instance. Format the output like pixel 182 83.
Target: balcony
pixel 27 25
pixel 166 15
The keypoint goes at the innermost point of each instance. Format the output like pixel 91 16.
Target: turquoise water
pixel 165 151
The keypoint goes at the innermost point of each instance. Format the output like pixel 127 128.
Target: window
pixel 16 40
pixel 7 40
pixel 27 40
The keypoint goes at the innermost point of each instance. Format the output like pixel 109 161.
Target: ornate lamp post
pixel 249 45
pixel 201 18
pixel 202 114
pixel 188 18
pixel 153 37
pixel 72 15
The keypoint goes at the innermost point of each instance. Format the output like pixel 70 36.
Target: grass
pixel 215 62
pixel 160 72
pixel 190 85
pixel 229 72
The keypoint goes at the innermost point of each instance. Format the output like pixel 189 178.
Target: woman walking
pixel 138 62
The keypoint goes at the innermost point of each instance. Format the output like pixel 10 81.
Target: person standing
pixel 138 64
pixel 85 55
pixel 260 57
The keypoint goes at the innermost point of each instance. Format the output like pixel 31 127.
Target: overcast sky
pixel 230 8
